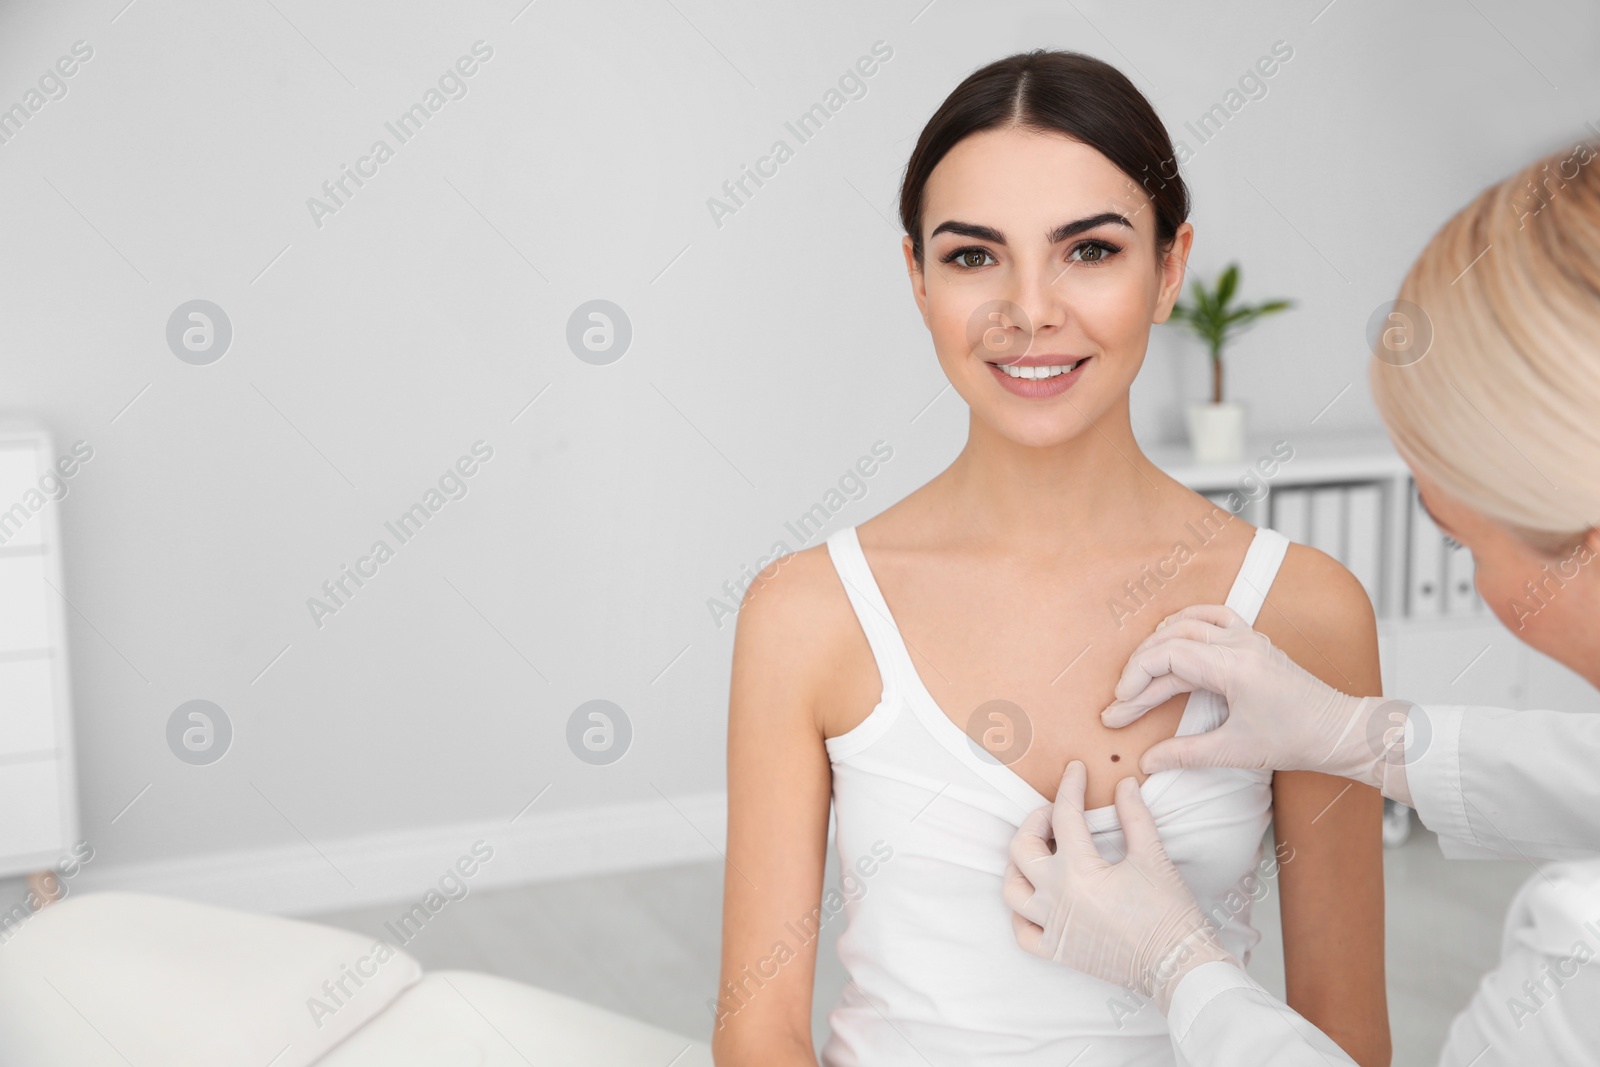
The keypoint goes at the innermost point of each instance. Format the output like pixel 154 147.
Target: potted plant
pixel 1216 429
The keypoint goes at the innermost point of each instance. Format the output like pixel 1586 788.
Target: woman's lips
pixel 1040 387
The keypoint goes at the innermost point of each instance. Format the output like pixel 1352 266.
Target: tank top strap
pixel 872 611
pixel 1261 562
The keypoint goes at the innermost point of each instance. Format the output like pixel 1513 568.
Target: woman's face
pixel 1038 251
pixel 1548 601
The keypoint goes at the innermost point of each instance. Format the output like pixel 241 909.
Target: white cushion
pixel 116 978
pixel 465 1019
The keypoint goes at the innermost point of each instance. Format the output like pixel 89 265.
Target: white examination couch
pixel 114 979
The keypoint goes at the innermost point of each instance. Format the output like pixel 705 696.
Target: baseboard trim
pixel 301 879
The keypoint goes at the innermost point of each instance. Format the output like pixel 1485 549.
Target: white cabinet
pixel 38 796
pixel 1548 684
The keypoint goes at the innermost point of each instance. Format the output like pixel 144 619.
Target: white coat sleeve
pixel 1221 1017
pixel 1500 784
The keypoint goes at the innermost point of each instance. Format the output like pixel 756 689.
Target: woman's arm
pixel 779 785
pixel 1328 830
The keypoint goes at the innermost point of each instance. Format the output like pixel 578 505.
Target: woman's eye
pixel 967 258
pixel 1093 252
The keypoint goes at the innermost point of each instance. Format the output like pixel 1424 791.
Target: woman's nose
pixel 1037 297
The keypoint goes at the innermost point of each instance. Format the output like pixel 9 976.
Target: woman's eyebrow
pixel 1060 233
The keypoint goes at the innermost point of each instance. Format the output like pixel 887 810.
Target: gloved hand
pixel 1280 716
pixel 1133 923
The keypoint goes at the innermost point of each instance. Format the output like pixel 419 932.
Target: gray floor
pixel 645 943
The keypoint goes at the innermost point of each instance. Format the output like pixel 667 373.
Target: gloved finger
pixel 1155 693
pixel 1201 664
pixel 1015 889
pixel 1139 833
pixel 1029 843
pixel 1183 656
pixel 1020 895
pixel 1148 661
pixel 1028 934
pixel 1182 630
pixel 1213 748
pixel 1206 632
pixel 1066 816
pixel 1215 614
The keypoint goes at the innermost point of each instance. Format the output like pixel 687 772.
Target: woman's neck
pixel 1074 497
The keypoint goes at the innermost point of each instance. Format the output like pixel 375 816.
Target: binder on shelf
pixel 1289 513
pixel 1326 520
pixel 1461 593
pixel 1364 536
pixel 1424 563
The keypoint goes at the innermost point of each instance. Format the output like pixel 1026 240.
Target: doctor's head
pixel 1045 225
pixel 1495 400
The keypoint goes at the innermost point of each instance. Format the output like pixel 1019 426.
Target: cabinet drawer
pixel 27 706
pixel 25 622
pixel 31 802
pixel 1478 663
pixel 20 498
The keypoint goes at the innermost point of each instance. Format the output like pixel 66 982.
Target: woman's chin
pixel 1041 429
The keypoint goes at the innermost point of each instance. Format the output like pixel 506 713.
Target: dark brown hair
pixel 1054 92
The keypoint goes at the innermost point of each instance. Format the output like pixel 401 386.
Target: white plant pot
pixel 1216 431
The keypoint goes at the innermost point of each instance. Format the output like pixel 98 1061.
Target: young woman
pixel 933 670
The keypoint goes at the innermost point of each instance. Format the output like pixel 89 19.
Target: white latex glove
pixel 1280 716
pixel 1132 923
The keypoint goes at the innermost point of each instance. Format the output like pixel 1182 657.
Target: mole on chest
pixel 1036 746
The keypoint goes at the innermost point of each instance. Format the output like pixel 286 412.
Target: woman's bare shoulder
pixel 798 630
pixel 1319 613
pixel 1315 580
pixel 795 618
pixel 792 594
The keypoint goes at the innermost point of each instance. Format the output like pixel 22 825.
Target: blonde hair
pixel 1502 409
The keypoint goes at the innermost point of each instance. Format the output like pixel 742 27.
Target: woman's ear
pixel 1173 262
pixel 919 282
pixel 1585 555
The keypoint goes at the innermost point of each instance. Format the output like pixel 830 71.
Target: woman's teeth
pixel 1038 372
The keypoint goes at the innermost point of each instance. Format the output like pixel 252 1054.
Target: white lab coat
pixel 1491 783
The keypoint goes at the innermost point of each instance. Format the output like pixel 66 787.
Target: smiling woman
pixel 933 670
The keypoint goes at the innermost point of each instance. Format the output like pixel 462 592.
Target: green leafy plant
pixel 1210 317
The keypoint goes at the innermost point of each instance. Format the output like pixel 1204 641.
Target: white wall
pixel 769 353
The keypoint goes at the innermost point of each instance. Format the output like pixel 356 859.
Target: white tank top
pixel 936 976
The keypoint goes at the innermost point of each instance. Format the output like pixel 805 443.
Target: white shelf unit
pixel 38 787
pixel 1438 642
